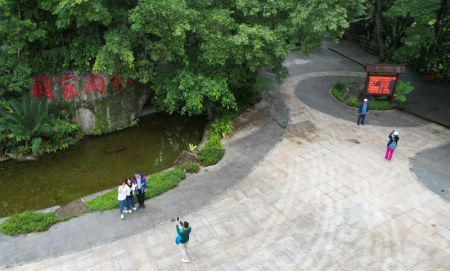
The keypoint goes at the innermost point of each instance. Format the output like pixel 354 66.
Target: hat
pixel 365 100
pixel 396 133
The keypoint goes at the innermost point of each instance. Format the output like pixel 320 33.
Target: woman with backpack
pixel 392 144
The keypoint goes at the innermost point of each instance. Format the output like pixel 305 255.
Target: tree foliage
pixel 413 31
pixel 28 127
pixel 196 54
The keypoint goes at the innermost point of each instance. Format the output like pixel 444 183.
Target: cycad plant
pixel 26 123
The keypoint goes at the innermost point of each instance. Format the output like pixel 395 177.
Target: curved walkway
pixel 316 94
pixel 432 167
pixel 197 190
pixel 323 198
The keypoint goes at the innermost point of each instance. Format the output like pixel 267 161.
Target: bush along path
pixel 352 93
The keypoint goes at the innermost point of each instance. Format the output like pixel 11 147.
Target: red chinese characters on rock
pixel 118 82
pixel 68 84
pixel 42 87
pixel 381 84
pixel 95 83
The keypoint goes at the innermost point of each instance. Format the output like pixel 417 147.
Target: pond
pixel 96 163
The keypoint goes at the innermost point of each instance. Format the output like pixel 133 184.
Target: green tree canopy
pixel 410 31
pixel 196 54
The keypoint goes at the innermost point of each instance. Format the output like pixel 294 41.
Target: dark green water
pixel 96 163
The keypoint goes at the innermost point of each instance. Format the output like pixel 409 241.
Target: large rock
pixel 74 208
pixel 100 103
pixel 185 157
pixel 86 119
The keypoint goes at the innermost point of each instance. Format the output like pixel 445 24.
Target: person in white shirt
pixel 121 197
pixel 131 188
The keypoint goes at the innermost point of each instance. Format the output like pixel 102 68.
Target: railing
pixel 362 41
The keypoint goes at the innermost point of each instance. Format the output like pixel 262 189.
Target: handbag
pixel 178 239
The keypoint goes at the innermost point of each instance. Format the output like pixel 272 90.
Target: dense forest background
pixel 416 32
pixel 197 56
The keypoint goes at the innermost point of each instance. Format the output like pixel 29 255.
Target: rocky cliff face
pixel 100 103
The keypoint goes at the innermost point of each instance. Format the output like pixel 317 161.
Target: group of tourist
pixel 136 186
pixel 363 110
pixel 127 190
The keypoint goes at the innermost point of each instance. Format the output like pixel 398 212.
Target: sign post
pixel 382 79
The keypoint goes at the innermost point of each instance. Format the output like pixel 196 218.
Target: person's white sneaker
pixel 129 211
pixel 185 261
pixel 134 208
pixel 122 216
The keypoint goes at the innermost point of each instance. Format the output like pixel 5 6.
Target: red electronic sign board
pixel 381 84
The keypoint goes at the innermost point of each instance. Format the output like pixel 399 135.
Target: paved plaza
pixel 317 195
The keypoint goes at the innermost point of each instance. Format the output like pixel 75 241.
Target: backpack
pixel 393 145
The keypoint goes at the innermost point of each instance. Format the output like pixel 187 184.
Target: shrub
pixel 30 128
pixel 402 89
pixel 340 86
pixel 381 105
pixel 222 126
pixel 28 222
pixel 212 152
pixel 339 89
pixel 353 101
pixel 28 121
pixel 338 93
pixel 164 181
pixel 192 148
pixel 157 185
pixel 192 167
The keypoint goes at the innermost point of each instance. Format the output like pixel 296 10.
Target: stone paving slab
pixel 324 198
pixel 432 168
pixel 94 229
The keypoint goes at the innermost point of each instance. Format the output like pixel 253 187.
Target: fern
pixel 27 120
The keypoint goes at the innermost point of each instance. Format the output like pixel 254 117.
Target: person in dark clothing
pixel 363 110
pixel 392 144
pixel 183 231
pixel 141 187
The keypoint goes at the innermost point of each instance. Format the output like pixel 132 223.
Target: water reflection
pixel 96 163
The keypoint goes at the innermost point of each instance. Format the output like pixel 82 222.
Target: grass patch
pixel 212 152
pixel 28 222
pixel 156 185
pixel 340 89
pixel 103 202
pixel 164 181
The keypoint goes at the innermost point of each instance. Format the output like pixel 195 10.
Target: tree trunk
pixel 209 112
pixel 379 30
pixel 440 22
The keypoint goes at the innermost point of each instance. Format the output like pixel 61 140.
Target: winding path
pixel 323 198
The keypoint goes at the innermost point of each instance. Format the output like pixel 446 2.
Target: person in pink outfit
pixel 392 144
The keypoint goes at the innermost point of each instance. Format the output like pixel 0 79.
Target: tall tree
pixel 197 55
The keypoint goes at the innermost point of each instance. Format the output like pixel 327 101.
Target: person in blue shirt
pixel 362 111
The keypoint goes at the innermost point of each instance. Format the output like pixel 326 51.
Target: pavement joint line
pixel 363 230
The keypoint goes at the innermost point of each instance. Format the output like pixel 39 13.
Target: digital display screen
pixel 381 84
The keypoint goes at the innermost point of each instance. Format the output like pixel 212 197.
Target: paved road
pixel 429 100
pixel 265 125
pixel 323 198
pixel 432 167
